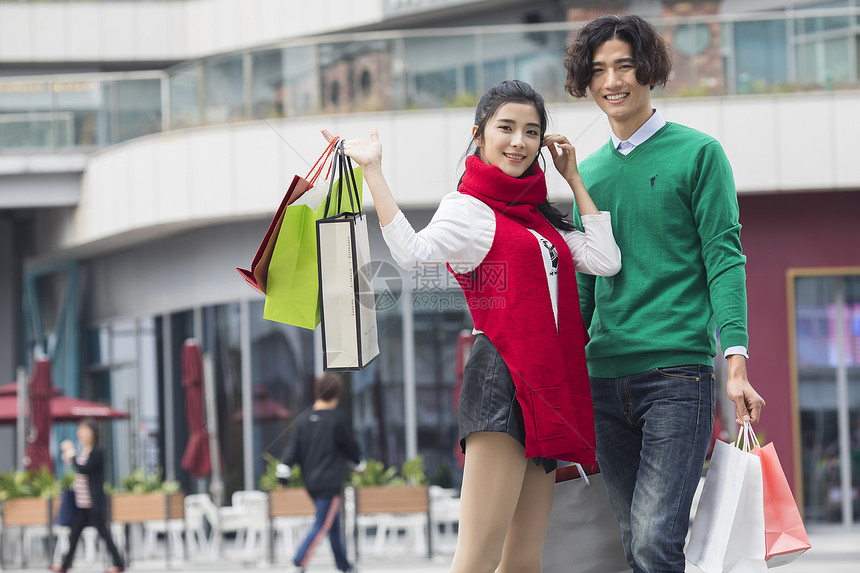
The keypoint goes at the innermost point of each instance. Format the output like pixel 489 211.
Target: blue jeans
pixel 653 431
pixel 326 522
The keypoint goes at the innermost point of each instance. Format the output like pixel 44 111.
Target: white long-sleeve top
pixel 461 233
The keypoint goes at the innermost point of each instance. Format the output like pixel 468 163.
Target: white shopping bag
pixel 583 536
pixel 727 534
pixel 347 301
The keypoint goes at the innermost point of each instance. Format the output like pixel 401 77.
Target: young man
pixel 322 444
pixel 675 217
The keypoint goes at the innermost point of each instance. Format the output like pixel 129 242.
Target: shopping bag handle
pixel 316 168
pixel 747 440
pixel 342 170
pixel 351 186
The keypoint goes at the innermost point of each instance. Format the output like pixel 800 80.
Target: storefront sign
pixel 40 87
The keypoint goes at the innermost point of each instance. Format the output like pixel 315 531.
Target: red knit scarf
pixel 516 197
pixel 547 363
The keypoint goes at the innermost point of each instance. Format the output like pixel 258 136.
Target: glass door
pixel 827 354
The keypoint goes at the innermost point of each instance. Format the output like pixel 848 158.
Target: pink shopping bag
pixel 784 532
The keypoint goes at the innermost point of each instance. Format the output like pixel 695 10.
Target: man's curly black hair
pixel 650 51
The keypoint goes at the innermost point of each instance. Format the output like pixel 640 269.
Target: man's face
pixel 614 87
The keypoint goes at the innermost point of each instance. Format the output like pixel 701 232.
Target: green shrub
pixel 413 471
pixel 15 484
pixel 376 474
pixel 139 481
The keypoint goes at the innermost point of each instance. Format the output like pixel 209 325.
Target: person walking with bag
pixel 675 216
pixel 525 401
pixel 89 466
pixel 322 444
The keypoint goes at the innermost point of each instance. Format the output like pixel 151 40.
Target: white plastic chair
pixel 444 519
pixel 289 533
pixel 35 538
pixel 222 520
pixel 253 506
pixel 196 539
pixel 172 528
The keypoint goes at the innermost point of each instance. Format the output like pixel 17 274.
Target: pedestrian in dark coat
pixel 322 445
pixel 89 466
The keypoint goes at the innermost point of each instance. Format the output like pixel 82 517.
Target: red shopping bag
pixel 784 533
pixel 258 274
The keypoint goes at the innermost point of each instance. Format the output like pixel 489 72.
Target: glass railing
pixel 798 51
pixel 60 113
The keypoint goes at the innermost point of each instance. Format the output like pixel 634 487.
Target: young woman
pixel 525 400
pixel 89 465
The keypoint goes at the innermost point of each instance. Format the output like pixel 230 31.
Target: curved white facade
pixel 157 31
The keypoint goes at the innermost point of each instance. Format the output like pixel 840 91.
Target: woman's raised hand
pixel 563 155
pixel 68 449
pixel 368 154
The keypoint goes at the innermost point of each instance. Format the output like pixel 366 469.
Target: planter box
pixel 389 509
pixel 25 512
pixel 392 499
pixel 140 507
pixel 290 502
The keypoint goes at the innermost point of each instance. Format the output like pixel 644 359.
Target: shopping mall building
pixel 144 146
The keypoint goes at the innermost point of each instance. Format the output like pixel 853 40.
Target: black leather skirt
pixel 488 399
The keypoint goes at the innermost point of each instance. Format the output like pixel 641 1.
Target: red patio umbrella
pixel 39 441
pixel 265 407
pixel 11 389
pixel 196 459
pixel 62 408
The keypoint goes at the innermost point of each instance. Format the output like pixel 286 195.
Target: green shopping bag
pixel 292 294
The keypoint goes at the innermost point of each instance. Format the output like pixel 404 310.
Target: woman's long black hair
pixel 516 91
pixel 93 426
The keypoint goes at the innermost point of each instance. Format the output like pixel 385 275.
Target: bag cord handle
pixel 349 175
pixel 343 170
pixel 747 440
pixel 316 168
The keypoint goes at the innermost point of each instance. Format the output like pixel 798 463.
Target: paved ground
pixel 834 550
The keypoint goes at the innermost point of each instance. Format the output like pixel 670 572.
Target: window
pixel 761 55
pixel 184 97
pixel 827 354
pixel 224 93
pixel 122 370
pixel 282 374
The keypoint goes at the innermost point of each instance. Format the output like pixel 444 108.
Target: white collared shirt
pixel 649 128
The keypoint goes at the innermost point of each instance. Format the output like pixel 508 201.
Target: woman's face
pixel 511 138
pixel 85 435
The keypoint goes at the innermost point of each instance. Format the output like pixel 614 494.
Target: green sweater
pixel 675 218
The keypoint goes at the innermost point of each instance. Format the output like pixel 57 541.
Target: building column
pixel 247 394
pixel 10 326
pixel 410 402
pixel 168 425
